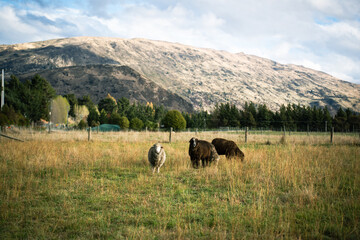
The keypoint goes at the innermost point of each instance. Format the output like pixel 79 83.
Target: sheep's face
pixel 157 147
pixel 193 142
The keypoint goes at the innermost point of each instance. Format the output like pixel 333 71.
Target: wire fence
pixel 239 135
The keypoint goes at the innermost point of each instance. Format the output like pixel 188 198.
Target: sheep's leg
pixel 158 169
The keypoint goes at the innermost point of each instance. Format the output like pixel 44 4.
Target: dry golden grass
pixel 60 185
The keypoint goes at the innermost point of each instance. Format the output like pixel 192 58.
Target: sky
pixel 320 34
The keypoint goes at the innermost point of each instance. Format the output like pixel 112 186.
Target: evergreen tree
pixel 327 117
pixel 263 116
pixel 93 118
pixel 40 95
pixel 72 101
pixel 123 105
pixel 340 120
pixel 103 118
pixel 115 118
pixel 108 105
pixel 16 94
pixel 86 100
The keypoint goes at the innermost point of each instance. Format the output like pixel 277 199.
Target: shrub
pixel 82 125
pixel 136 124
pixel 175 120
pixel 124 123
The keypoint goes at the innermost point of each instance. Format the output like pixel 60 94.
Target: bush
pixel 82 125
pixel 115 118
pixel 151 125
pixel 175 120
pixel 124 123
pixel 136 124
pixel 4 121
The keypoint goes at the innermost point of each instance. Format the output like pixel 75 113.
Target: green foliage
pixel 115 118
pixel 108 105
pixel 200 119
pixel 93 118
pixel 124 123
pixel 175 120
pixel 86 100
pixel 30 101
pixel 10 117
pixel 82 125
pixel 136 124
pixel 72 101
pixel 31 98
pixel 103 118
pixel 4 121
pixel 151 125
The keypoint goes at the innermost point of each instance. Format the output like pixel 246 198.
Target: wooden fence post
pixel 89 134
pixel 171 129
pixel 308 129
pixel 284 131
pixel 332 135
pixel 246 134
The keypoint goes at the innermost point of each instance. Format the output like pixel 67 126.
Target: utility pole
pixel 2 88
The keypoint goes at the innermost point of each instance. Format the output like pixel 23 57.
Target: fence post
pixel 284 131
pixel 308 129
pixel 246 134
pixel 332 135
pixel 89 134
pixel 171 129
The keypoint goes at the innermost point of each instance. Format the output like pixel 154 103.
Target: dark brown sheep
pixel 227 148
pixel 203 151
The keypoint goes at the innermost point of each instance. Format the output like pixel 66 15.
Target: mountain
pixel 119 81
pixel 200 77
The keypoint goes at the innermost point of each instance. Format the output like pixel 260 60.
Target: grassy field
pixel 60 186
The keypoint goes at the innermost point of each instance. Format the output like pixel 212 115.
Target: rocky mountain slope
pixel 118 81
pixel 202 77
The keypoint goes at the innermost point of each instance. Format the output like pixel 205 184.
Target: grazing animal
pixel 156 157
pixel 227 148
pixel 203 151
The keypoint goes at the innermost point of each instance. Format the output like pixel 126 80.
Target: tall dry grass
pixel 59 185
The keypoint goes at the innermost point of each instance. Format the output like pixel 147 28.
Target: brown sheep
pixel 227 148
pixel 203 151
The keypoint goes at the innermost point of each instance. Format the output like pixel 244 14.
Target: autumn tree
pixel 59 110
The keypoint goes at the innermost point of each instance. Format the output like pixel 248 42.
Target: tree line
pixel 291 117
pixel 35 100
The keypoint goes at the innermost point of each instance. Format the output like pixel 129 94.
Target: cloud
pixel 320 34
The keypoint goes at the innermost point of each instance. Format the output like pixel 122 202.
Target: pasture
pixel 61 186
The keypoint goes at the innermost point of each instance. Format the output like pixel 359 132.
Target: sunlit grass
pixel 60 185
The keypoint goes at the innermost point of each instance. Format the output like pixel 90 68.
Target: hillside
pixel 202 77
pixel 119 81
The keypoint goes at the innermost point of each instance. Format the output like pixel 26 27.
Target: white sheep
pixel 156 157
